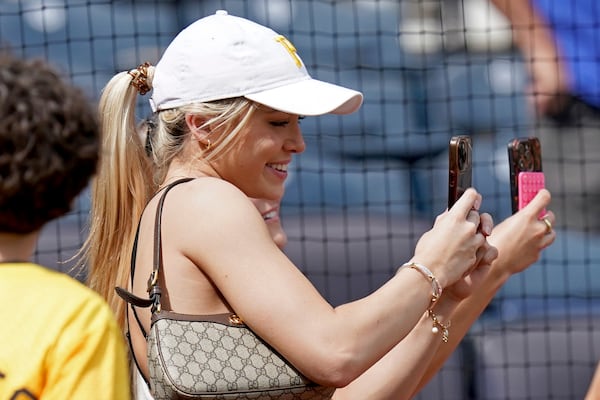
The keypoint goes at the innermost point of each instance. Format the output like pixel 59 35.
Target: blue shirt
pixel 576 26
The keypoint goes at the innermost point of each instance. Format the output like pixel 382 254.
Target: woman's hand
pixel 518 242
pixel 486 254
pixel 456 241
pixel 521 238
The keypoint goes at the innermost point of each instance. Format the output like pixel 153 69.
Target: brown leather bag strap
pixel 154 290
pixel 153 287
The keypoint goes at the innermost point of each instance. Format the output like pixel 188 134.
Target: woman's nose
pixel 295 142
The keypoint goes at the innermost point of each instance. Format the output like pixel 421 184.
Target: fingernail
pixel 485 229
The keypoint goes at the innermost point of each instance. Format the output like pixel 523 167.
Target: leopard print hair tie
pixel 140 78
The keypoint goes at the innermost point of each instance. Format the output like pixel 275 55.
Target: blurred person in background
pixel 269 209
pixel 59 339
pixel 559 41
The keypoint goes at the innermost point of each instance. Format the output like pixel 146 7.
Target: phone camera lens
pixel 462 155
pixel 525 157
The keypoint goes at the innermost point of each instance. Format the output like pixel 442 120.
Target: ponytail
pixel 120 190
pixel 127 175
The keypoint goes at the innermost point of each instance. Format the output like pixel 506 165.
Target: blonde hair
pixel 127 177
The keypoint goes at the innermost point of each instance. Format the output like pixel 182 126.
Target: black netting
pixel 370 183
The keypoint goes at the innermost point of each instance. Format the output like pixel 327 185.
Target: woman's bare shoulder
pixel 211 184
pixel 209 195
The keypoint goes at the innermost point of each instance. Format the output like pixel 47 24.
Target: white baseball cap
pixel 222 56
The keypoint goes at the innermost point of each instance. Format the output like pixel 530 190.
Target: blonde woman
pixel 228 96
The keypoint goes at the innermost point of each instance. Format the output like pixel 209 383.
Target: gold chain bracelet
pixel 438 326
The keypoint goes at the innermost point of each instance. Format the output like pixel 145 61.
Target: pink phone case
pixel 530 184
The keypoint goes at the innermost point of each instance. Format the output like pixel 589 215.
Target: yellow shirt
pixel 58 339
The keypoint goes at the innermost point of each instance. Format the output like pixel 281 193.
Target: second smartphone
pixel 526 176
pixel 459 168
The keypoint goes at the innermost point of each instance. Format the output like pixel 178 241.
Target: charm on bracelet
pixel 438 326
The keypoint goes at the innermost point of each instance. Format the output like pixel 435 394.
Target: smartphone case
pixel 460 167
pixel 524 155
pixel 529 184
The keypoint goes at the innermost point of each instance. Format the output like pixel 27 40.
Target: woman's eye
pixel 285 122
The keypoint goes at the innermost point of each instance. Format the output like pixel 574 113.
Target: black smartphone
pixel 526 176
pixel 459 170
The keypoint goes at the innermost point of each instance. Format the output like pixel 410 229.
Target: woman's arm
pixel 331 346
pixel 520 240
pixel 410 365
pixel 398 373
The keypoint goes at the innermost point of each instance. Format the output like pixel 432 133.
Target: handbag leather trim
pixel 224 319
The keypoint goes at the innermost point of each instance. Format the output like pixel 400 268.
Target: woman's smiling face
pixel 258 162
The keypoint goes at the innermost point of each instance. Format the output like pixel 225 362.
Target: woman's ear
pixel 199 132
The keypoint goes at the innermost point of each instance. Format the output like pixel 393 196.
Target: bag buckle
pixel 152 280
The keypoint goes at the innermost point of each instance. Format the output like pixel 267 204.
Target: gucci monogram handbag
pixel 212 356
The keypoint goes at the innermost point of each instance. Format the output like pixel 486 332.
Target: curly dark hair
pixel 49 144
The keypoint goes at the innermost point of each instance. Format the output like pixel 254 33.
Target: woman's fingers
pixel 470 200
pixel 538 204
pixel 474 217
pixel 537 209
pixel 486 224
pixel 486 254
pixel 548 221
pixel 463 231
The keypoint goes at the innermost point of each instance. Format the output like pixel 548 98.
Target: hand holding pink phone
pixel 529 184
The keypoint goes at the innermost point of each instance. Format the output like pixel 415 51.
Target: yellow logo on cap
pixel 290 48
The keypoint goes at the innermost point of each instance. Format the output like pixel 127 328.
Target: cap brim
pixel 310 97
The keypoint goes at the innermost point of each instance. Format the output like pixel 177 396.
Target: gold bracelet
pixel 435 285
pixel 437 326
